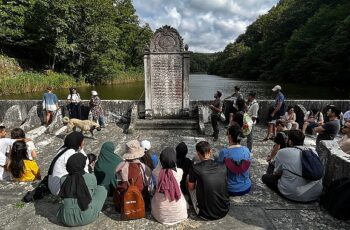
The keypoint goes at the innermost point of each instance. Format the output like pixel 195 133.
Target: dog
pixel 83 125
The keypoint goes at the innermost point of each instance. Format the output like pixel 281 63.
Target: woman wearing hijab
pixel 105 167
pixel 185 164
pixel 73 143
pixel 168 203
pixel 82 198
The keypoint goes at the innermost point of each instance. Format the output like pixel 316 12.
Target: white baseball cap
pixel 277 87
pixel 146 144
pixel 94 93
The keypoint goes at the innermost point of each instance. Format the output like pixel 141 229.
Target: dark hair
pixel 181 150
pixel 147 160
pixel 280 122
pixel 17 133
pixel 314 111
pixel 296 136
pixel 2 127
pixel 237 88
pixel 91 157
pixel 235 132
pixel 219 93
pixel 240 104
pixel 252 94
pixel 49 88
pixel 17 156
pixel 290 107
pixel 203 147
pixel 334 110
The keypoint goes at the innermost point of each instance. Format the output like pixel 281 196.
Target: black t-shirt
pixel 185 164
pixel 211 189
pixel 281 139
pixel 331 130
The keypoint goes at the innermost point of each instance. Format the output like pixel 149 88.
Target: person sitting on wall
pixel 82 198
pixel 284 180
pixel 237 160
pixel 312 119
pixel 344 143
pixel 290 118
pixel 207 185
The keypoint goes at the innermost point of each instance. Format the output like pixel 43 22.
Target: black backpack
pixel 312 167
pixel 336 199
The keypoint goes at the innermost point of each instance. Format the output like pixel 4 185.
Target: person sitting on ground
pixel 312 119
pixel 73 143
pixel 150 159
pixel 280 142
pixel 232 110
pixel 92 161
pixel 5 146
pixel 237 160
pixel 284 180
pixel 185 164
pixel 330 129
pixel 346 116
pixel 132 170
pixel 275 112
pixel 168 203
pixel 18 133
pixel 74 100
pixel 207 185
pixel 21 168
pixel 344 143
pixel 50 105
pixel 82 198
pixel 290 118
pixel 105 167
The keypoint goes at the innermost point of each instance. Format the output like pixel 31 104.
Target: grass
pixel 28 82
pixel 124 77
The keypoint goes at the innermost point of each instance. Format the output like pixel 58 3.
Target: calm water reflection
pixel 202 87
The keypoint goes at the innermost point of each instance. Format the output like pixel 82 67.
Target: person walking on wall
pixel 50 105
pixel 96 108
pixel 216 108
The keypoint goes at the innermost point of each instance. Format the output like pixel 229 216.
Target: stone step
pixel 184 124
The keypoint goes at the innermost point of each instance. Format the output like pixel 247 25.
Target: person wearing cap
pixel 276 112
pixel 132 170
pixel 168 203
pixel 150 159
pixel 96 108
pixel 330 129
pixel 82 198
pixel 50 105
pixel 105 167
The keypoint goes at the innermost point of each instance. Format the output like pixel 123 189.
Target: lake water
pixel 202 87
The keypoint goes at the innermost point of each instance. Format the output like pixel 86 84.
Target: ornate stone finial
pixel 186 47
pixel 166 39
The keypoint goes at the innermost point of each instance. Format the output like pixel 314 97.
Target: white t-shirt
pixel 5 144
pixel 59 170
pixel 253 109
pixel 292 186
pixel 30 148
pixel 74 97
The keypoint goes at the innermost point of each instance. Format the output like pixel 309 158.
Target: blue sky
pixel 205 25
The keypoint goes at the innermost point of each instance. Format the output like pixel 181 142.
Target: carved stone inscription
pixel 166 78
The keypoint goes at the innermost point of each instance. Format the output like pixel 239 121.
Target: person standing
pixel 276 112
pixel 50 105
pixel 232 107
pixel 74 103
pixel 252 110
pixel 216 108
pixel 96 108
pixel 331 128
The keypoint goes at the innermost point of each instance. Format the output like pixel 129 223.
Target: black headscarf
pixel 74 186
pixel 181 150
pixel 72 141
pixel 168 158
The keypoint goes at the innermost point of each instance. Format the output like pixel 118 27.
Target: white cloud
pixel 206 25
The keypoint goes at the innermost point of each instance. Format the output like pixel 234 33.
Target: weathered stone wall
pixel 337 163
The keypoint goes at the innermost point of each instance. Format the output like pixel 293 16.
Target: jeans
pixel 250 140
pixel 214 123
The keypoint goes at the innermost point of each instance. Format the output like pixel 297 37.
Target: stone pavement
pixel 261 209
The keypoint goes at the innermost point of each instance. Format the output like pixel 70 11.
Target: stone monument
pixel 167 66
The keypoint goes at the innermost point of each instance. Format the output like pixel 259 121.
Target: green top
pixel 106 165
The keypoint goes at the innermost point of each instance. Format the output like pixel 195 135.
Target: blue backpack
pixel 312 167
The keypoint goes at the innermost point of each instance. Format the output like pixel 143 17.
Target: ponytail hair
pixel 235 132
pixel 17 156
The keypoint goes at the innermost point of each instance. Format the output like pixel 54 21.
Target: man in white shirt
pixel 285 179
pixel 252 110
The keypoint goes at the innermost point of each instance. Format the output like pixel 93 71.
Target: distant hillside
pixel 200 62
pixel 297 40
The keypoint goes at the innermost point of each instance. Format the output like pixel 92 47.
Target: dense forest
pixel 90 39
pixel 297 40
pixel 200 62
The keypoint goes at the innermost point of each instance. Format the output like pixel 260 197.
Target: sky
pixel 205 25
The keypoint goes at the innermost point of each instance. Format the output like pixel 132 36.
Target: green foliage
pixel 298 40
pixel 32 82
pixel 200 62
pixel 91 39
